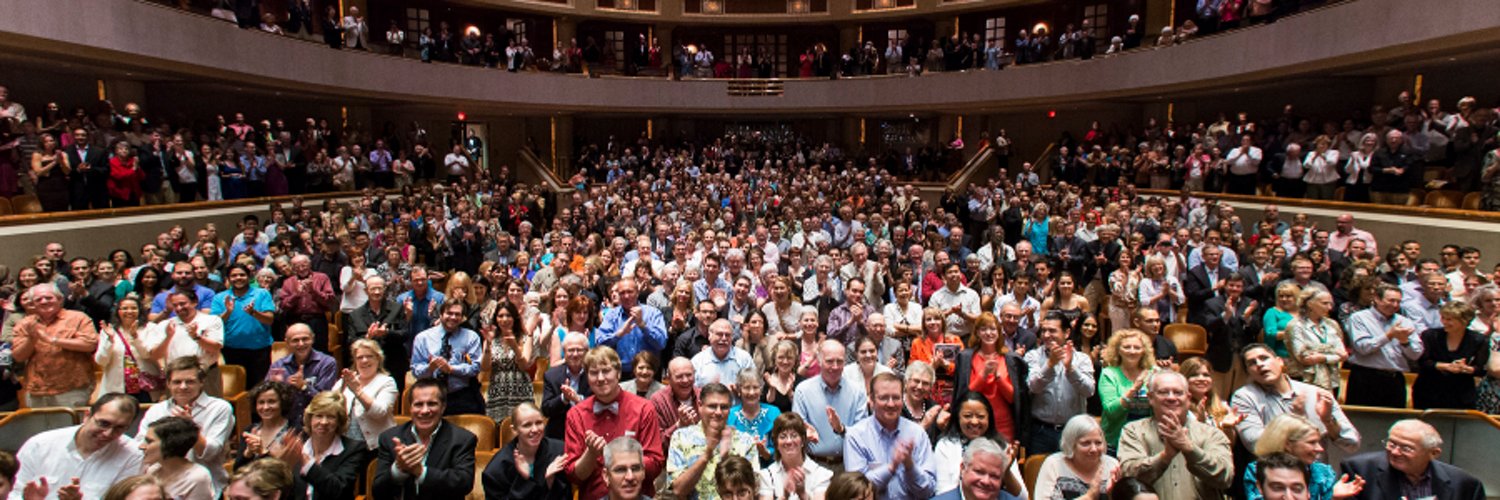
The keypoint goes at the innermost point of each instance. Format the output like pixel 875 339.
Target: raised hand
pixel 557 466
pixel 1231 419
pixel 523 464
pixel 686 414
pixel 182 411
pixel 594 442
pixel 833 420
pixel 73 491
pixel 299 379
pixel 943 416
pixel 36 490
pixel 1348 488
pixel 253 445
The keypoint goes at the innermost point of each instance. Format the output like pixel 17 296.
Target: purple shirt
pixel 320 371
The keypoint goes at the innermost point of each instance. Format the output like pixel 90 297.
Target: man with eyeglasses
pixel 451 353
pixel 564 385
pixel 697 451
pixel 1408 468
pixel 892 452
pixel 84 460
pixel 624 471
pixel 1175 453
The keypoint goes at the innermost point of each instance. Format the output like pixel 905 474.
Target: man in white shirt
pixel 84 460
pixel 1244 164
pixel 960 304
pixel 190 334
pixel 185 381
pixel 457 163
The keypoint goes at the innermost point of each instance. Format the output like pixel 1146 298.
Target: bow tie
pixel 612 408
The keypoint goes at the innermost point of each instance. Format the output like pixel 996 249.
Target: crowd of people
pixel 506 48
pixel 744 318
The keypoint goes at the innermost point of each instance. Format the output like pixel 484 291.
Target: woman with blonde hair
pixel 1159 290
pixel 1316 342
pixel 369 393
pixel 1277 319
pixel 781 375
pixel 328 464
pixel 1295 435
pixel 1129 361
pixel 262 479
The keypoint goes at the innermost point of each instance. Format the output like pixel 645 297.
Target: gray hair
pixel 920 369
pixel 985 446
pixel 1077 427
pixel 1431 440
pixel 44 288
pixel 622 444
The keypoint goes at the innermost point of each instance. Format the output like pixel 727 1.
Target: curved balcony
pixel 147 37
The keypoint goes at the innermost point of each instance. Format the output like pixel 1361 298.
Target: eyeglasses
pixel 1404 449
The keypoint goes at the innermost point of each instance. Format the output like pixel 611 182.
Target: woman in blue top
pixel 752 417
pixel 1036 229
pixel 1296 435
pixel 1277 319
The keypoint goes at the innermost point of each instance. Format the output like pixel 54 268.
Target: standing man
pixel 214 416
pixel 189 334
pixel 606 416
pixel 84 460
pixel 1060 380
pixel 451 354
pixel 1179 456
pixel 631 328
pixel 892 452
pixel 722 362
pixel 826 402
pixel 426 457
pixel 677 405
pixel 247 314
pixel 697 451
pixel 380 319
pixel 959 303
pixel 57 346
pixel 564 386
pixel 1244 164
pixel 846 322
pixel 308 371
pixel 1384 343
pixel 1271 393
pixel 307 297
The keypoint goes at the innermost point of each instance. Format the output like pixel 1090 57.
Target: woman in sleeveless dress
pixel 509 361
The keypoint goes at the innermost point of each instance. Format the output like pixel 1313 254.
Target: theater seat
pixel 24 204
pixel 1031 470
pixel 482 427
pixel 1444 199
pixel 507 432
pixel 1471 201
pixel 1190 339
pixel 5 208
pixel 481 460
pixel 21 425
pixel 279 350
pixel 234 379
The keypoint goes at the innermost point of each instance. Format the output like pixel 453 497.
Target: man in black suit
pixel 1232 320
pixel 1409 468
pixel 380 319
pixel 158 161
pixel 1206 280
pixel 1016 338
pixel 90 173
pixel 1099 259
pixel 421 455
pixel 564 386
pixel 1260 276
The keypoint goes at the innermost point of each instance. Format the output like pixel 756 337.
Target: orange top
pixel 52 370
pixel 998 388
pixel 922 347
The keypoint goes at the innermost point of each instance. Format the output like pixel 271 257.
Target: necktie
pixel 445 353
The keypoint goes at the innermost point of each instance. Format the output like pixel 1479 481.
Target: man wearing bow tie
pixel 610 413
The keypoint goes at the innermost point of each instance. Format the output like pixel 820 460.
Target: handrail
pixel 1466 415
pixel 548 176
pixel 1041 160
pixel 1447 213
pixel 42 217
pixel 980 158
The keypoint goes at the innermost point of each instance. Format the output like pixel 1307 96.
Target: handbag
pixel 136 381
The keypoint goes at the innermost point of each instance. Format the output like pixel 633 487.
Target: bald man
pixel 828 404
pixel 1409 468
pixel 307 297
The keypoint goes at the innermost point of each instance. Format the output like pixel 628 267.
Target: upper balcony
pixel 138 36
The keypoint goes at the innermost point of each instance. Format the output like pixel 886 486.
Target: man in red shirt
pixel 610 413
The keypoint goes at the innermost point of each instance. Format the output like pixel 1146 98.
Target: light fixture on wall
pixel 626 4
pixel 713 6
pixel 885 4
pixel 798 6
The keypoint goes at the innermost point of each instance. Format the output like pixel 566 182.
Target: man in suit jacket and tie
pixel 427 457
pixel 566 385
pixel 1409 468
pixel 1206 280
pixel 1260 277
pixel 1232 320
pixel 87 183
pixel 981 475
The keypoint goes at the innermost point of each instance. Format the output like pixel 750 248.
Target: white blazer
pixel 381 413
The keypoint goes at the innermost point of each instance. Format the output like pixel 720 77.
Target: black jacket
pixel 1020 407
pixel 1382 482
pixel 501 481
pixel 554 406
pixel 337 475
pixel 450 464
pixel 393 344
pixel 1227 335
pixel 1198 288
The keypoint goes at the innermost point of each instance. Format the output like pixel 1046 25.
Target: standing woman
pixel 1322 169
pixel 509 362
pixel 148 283
pixel 1204 404
pixel 1317 346
pixel 119 343
pixel 972 419
pixel 209 156
pixel 1357 174
pixel 753 337
pixel 352 278
pixel 781 376
pixel 1123 285
pixel 578 313
pixel 50 171
pixel 990 369
pixel 1063 300
pixel 792 476
pixel 1036 229
pixel 782 312
pixel 369 393
pixel 330 462
pixel 1453 357
pixel 1159 291
pixel 1122 386
pixel 1277 319
pixel 529 466
pixel 751 416
pixel 807 366
pixel 922 349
